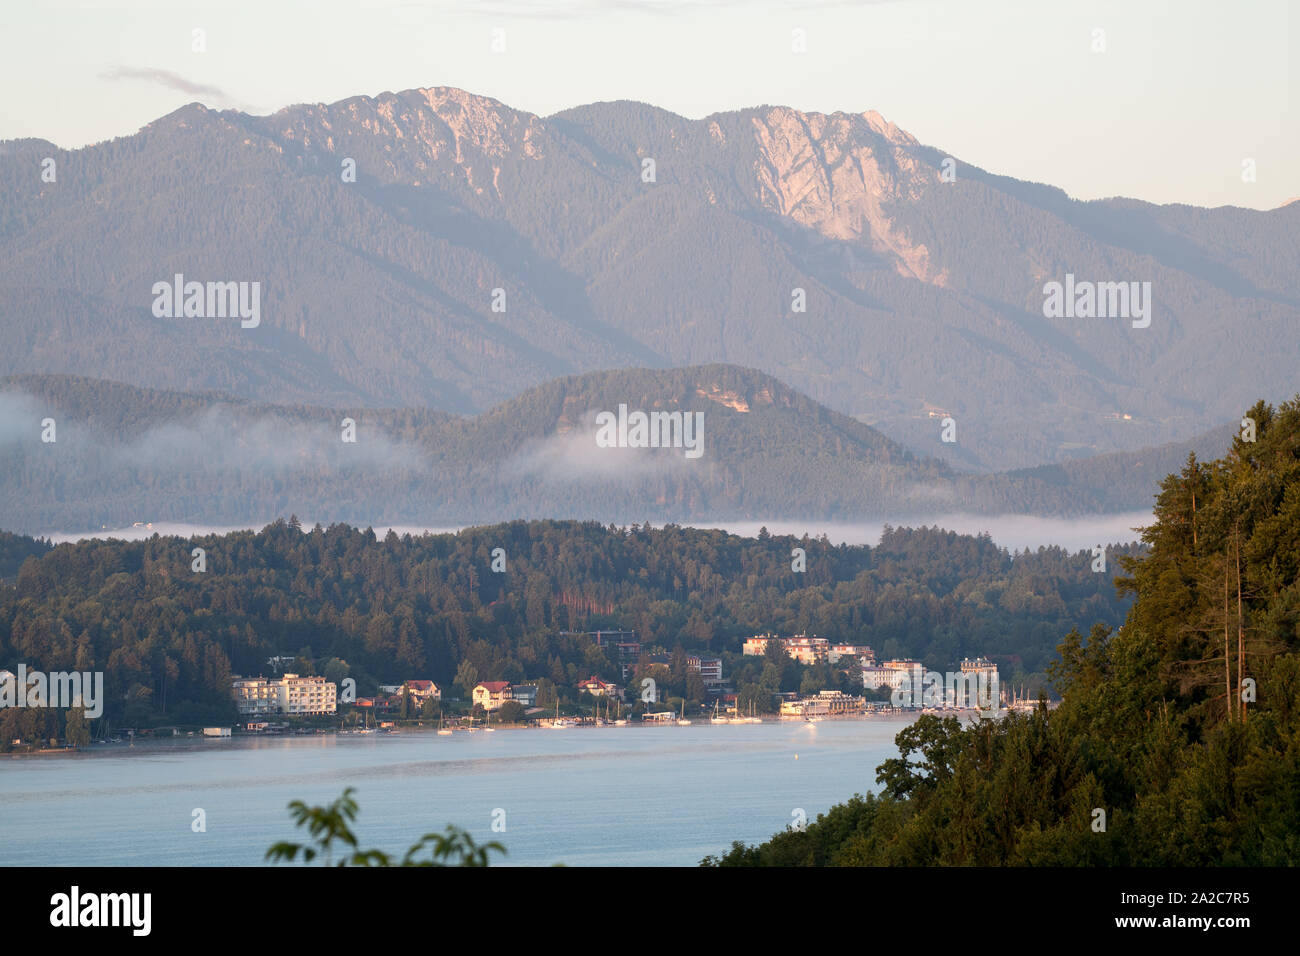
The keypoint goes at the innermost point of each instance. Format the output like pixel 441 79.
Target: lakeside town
pixel 294 702
pixel 653 688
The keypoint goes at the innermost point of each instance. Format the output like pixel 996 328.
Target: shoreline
pixel 185 743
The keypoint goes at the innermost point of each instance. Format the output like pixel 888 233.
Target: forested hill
pixel 480 250
pixel 401 607
pixel 1177 741
pixel 122 454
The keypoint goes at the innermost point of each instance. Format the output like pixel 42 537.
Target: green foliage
pixel 1157 723
pixel 511 712
pixel 330 829
pixel 77 731
pixel 15 549
pixel 383 611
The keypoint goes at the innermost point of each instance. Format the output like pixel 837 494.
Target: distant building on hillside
pixel 894 674
pixel 861 651
pixel 490 695
pixel 804 649
pixel 709 668
pixel 422 690
pixel 622 646
pixel 808 650
pixel 598 688
pixel 525 694
pixel 290 694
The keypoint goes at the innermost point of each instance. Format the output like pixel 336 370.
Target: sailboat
pixel 618 715
pixel 682 721
pixel 715 719
pixel 442 731
pixel 558 723
pixel 488 728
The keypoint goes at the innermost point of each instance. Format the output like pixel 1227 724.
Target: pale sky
pixel 1184 92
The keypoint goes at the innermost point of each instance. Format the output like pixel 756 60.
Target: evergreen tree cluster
pixel 1177 739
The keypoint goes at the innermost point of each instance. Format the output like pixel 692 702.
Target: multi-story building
pixel 804 649
pixel 894 674
pixel 979 684
pixel 490 695
pixel 977 664
pixel 598 688
pixel 808 650
pixel 422 690
pixel 290 694
pixel 828 703
pixel 526 694
pixel 709 668
pixel 861 651
pixel 622 646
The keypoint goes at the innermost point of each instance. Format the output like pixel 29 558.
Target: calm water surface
pixel 615 796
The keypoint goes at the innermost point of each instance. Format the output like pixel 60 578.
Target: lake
pixel 588 796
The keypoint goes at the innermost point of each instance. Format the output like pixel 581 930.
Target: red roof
pixel 494 686
pixel 420 684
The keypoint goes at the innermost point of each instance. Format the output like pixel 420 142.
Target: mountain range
pixel 482 251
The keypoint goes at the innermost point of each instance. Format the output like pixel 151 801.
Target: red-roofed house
pixel 422 690
pixel 598 688
pixel 491 694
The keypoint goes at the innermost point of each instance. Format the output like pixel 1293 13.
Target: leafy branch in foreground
pixel 331 824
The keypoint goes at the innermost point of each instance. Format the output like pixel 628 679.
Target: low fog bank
pixel 1013 532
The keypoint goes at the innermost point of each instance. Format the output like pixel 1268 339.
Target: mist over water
pixel 1013 532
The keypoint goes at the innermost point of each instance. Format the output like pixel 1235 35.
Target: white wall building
pixel 290 694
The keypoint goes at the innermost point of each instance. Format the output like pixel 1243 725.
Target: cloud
pixel 574 458
pixel 174 81
pixel 20 419
pixel 224 441
pixel 221 440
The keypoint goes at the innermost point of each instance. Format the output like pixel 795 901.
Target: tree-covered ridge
pixel 17 548
pixel 1183 726
pixel 380 291
pixel 400 607
pixel 768 452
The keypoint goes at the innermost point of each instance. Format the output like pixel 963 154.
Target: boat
pixel 715 719
pixel 682 721
pixel 443 731
pixel 559 723
pixel 488 728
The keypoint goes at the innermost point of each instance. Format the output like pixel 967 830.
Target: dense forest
pixel 1177 739
pixel 347 603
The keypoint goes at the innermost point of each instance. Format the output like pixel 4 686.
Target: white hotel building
pixel 894 674
pixel 290 694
